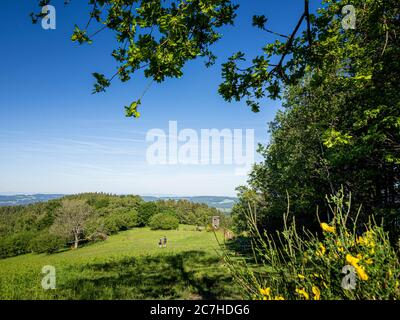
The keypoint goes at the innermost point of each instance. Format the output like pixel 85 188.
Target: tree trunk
pixel 76 242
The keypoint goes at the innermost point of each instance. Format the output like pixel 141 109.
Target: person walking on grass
pixel 165 241
pixel 160 243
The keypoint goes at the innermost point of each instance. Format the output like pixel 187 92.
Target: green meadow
pixel 129 265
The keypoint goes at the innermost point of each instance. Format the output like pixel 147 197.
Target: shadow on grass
pixel 186 275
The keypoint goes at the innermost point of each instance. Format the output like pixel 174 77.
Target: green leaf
pixel 131 111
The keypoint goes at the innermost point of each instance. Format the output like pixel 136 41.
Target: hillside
pixel 24 199
pixel 129 265
pixel 223 203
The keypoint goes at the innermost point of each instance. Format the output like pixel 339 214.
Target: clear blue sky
pixel 56 137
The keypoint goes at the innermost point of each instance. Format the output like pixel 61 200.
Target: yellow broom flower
pixel 360 240
pixel 321 251
pixel 317 293
pixel 265 291
pixel 326 227
pixel 361 273
pixel 339 246
pixel 359 269
pixel 303 293
pixel 352 260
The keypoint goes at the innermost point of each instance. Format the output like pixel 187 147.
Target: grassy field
pixel 129 265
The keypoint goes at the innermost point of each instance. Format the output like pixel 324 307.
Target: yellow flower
pixel 390 273
pixel 360 240
pixel 326 227
pixel 303 293
pixel 361 273
pixel 321 251
pixel 352 260
pixel 301 276
pixel 369 261
pixel 359 269
pixel 265 291
pixel 279 298
pixel 317 293
pixel 367 240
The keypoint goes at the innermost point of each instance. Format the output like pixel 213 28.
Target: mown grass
pixel 129 265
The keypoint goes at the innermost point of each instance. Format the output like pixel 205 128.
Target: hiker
pixel 160 242
pixel 165 241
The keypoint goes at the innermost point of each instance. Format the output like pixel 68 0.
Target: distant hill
pixel 23 199
pixel 223 203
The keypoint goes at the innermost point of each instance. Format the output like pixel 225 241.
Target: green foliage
pixel 259 21
pixel 46 243
pixel 191 213
pixel 119 221
pixel 164 221
pixel 81 37
pixel 154 36
pixel 339 124
pixel 131 111
pixel 145 212
pixel 16 244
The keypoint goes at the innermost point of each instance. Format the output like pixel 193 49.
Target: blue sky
pixel 56 137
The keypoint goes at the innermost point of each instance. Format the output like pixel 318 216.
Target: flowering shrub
pixel 345 263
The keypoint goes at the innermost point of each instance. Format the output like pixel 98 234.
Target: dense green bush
pixel 163 221
pixel 16 244
pixel 145 212
pixel 197 214
pixel 120 221
pixel 47 243
pixel 130 219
